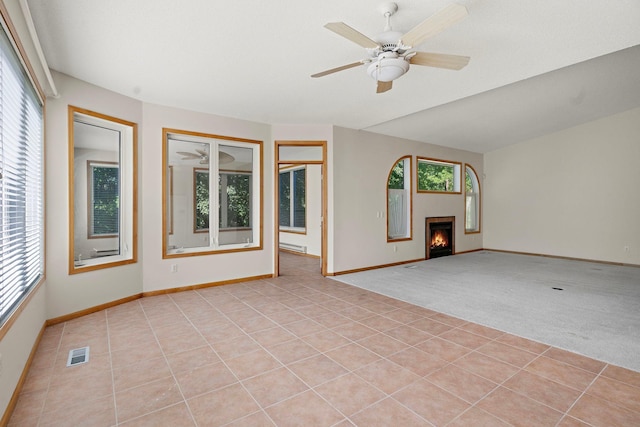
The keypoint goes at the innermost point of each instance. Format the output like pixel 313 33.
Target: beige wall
pixel 70 293
pixel 196 270
pixel 17 344
pixel 572 193
pixel 361 162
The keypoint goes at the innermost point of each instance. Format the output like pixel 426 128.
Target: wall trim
pixel 205 285
pixel 300 254
pixel 469 251
pixel 23 377
pixel 91 310
pixel 393 264
pixel 374 267
pixel 622 264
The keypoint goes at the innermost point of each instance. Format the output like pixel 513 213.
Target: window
pixel 472 201
pixel 226 220
pixel 293 205
pixel 201 200
pixel 103 191
pixel 438 176
pixel 235 200
pixel 104 199
pixel 21 183
pixel 399 200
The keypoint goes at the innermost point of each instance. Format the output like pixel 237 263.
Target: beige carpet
pixel 595 310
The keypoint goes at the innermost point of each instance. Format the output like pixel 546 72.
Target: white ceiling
pixel 532 68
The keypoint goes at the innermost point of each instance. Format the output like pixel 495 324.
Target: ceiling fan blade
pixel 384 86
pixel 349 33
pixel 335 70
pixel 225 157
pixel 188 155
pixel 434 24
pixel 202 152
pixel 440 60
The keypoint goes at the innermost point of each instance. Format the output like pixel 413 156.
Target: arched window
pixel 399 200
pixel 472 201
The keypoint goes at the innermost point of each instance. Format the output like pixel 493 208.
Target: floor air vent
pixel 78 356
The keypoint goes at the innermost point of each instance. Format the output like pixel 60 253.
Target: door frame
pixel 323 212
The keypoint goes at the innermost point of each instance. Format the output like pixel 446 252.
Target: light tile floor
pixel 302 350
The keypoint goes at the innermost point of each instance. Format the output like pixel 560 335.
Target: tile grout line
pixel 566 414
pixel 164 355
pixel 44 401
pixel 222 360
pixel 113 380
pixel 310 388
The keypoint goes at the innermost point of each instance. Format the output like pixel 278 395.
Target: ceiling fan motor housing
pixel 388 41
pixel 388 67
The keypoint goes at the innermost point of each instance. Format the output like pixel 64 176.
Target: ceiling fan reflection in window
pixel 203 156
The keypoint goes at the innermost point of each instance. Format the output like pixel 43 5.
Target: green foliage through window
pixel 396 178
pixel 202 199
pixel 438 176
pixel 399 200
pixel 105 201
pixel 234 200
pixel 235 211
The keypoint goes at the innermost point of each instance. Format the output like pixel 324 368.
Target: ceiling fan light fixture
pixel 388 67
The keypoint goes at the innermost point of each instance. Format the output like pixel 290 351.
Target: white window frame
pixel 125 252
pixel 399 204
pixel 472 200
pixel 215 169
pixel 292 204
pixel 457 175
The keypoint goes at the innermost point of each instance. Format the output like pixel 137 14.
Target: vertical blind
pixel 21 218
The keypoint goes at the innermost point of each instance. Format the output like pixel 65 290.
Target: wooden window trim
pixel 441 161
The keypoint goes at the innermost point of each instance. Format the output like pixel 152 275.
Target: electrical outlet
pixel 174 268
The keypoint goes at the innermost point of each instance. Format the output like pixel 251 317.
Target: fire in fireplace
pixel 439 236
pixel 439 239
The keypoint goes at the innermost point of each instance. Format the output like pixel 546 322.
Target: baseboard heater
pixel 105 252
pixel 293 248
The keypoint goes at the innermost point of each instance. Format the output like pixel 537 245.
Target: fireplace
pixel 439 236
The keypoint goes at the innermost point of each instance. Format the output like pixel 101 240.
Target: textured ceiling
pixel 532 66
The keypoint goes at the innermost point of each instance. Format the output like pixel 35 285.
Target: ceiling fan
pixel 203 156
pixel 390 53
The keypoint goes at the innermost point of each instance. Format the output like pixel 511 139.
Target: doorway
pixel 296 160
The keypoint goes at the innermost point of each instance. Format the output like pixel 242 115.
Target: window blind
pixel 21 182
pixel 105 192
pixel 299 198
